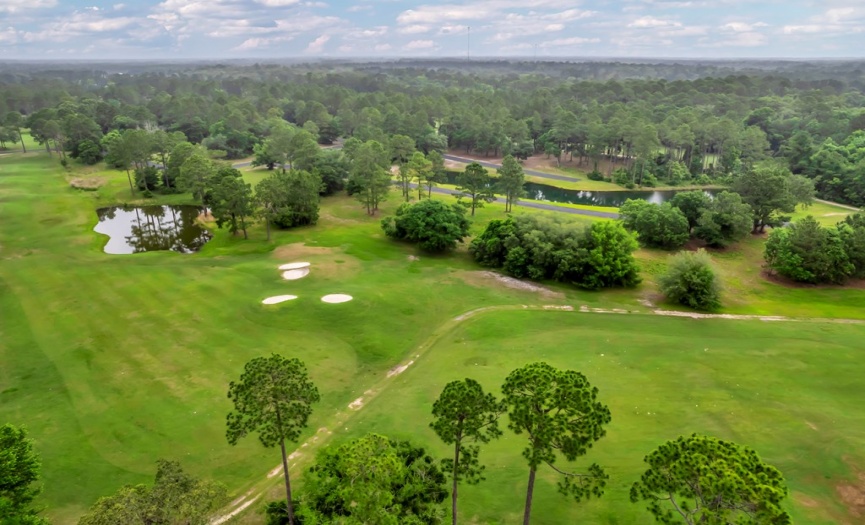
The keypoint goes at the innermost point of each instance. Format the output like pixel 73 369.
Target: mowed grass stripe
pixel 787 389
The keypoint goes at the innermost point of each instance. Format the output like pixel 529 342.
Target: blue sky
pixel 96 29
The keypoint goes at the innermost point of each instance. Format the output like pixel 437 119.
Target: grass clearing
pixel 114 361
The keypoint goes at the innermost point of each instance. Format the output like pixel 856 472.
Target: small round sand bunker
pixel 276 299
pixel 293 275
pixel 294 266
pixel 335 298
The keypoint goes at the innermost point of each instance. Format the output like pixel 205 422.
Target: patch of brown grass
pixel 486 278
pixel 323 261
pixel 852 493
pixel 87 184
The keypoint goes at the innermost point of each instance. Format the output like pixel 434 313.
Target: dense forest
pixel 707 123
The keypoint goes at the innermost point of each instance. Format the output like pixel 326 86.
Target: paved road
pixel 533 173
pixel 538 205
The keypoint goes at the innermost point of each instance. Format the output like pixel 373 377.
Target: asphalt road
pixel 533 173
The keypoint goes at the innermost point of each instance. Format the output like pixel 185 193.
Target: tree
pixel 195 175
pixel 606 257
pixel 437 173
pixel 701 479
pixel 373 479
pixel 657 225
pixel 369 175
pixel 724 221
pixel 89 152
pixel 807 252
pixel 852 232
pixel 175 498
pixel 465 416
pixel 19 471
pixel 402 149
pixel 771 190
pixel 691 204
pixel 419 169
pixel 475 184
pixel 691 281
pixel 558 410
pixel 302 151
pixel 270 194
pixel 273 398
pixel 332 166
pixel 301 199
pixel 230 200
pixel 511 181
pixel 434 225
pixel 14 120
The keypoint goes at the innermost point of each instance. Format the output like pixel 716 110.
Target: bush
pixel 434 225
pixel 724 221
pixel 622 178
pixel 656 225
pixel 808 253
pixel 690 281
pixel 595 175
pixel 852 231
pixel 544 247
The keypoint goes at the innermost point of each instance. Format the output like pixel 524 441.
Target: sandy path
pixel 339 420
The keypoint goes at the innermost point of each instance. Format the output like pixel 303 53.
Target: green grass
pixel 115 361
pixel 826 214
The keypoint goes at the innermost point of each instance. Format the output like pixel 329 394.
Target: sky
pixel 223 29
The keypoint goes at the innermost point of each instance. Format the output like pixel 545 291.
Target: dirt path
pixel 305 451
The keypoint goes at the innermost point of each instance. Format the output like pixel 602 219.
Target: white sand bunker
pixel 335 298
pixel 293 275
pixel 294 266
pixel 276 299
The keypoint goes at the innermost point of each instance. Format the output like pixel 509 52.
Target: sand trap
pixel 335 298
pixel 278 299
pixel 294 266
pixel 292 275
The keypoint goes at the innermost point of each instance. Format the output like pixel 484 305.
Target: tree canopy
pixel 432 224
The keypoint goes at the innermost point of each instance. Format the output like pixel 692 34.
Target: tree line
pixel 633 132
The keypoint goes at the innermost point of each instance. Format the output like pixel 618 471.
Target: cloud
pixel 742 40
pixel 373 32
pixel 834 21
pixel 742 27
pixel 118 7
pixel 317 45
pixel 413 29
pixel 17 6
pixel 419 44
pixel 261 43
pixel 649 22
pixel 277 3
pixel 359 8
pixel 383 47
pixel 573 41
pixel 8 35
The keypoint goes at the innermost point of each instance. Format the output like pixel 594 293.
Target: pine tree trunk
pixel 129 178
pixel 20 136
pixel 290 507
pixel 529 492
pixel 454 475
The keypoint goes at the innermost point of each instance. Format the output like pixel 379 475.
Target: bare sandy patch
pixel 276 299
pixel 293 275
pixel 294 266
pixel 852 494
pixel 487 278
pixel 397 370
pixel 336 298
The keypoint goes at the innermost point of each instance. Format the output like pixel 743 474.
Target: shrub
pixel 595 175
pixel 724 221
pixel 656 225
pixel 852 232
pixel 540 247
pixel 434 225
pixel 691 281
pixel 808 253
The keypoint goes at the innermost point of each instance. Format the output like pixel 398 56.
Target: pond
pixel 136 229
pixel 544 192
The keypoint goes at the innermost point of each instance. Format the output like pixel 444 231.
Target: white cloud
pixel 118 7
pixel 317 45
pixel 8 36
pixel 419 44
pixel 16 6
pixel 684 31
pixel 648 22
pixel 413 29
pixel 573 41
pixel 383 47
pixel 260 43
pixel 374 32
pixel 358 8
pixel 277 3
pixel 742 27
pixel 451 29
pixel 742 40
pixel 834 21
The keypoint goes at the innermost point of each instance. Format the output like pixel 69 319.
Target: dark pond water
pixel 543 192
pixel 138 229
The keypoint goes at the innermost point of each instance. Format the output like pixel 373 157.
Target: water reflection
pixel 136 229
pixel 543 192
